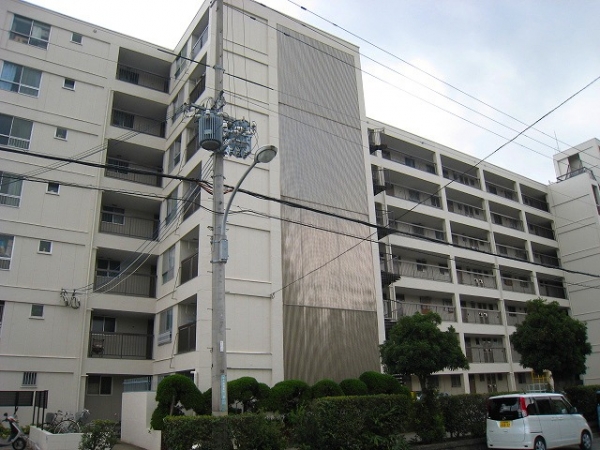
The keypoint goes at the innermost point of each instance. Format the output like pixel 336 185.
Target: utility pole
pixel 218 260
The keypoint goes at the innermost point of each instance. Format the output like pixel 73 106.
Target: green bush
pixel 247 431
pixel 326 388
pixel 172 391
pixel 244 394
pixel 382 383
pixel 428 420
pixel 584 399
pixel 353 386
pixel 371 422
pixel 98 435
pixel 464 415
pixel 287 396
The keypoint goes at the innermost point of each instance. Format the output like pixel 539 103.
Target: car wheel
pixel 540 444
pixel 586 440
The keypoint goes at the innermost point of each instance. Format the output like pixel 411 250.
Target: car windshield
pixel 506 408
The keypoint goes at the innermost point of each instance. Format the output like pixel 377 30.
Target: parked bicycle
pixel 61 423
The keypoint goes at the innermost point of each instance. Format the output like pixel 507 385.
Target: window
pixel 410 162
pixel 52 188
pixel 6 247
pixel 502 250
pixel 180 62
pixel 174 154
pixel 103 324
pixel 76 38
pixel 29 378
pixel 45 247
pixel 443 268
pixel 178 106
pixel 168 264
pixel 99 385
pixel 521 378
pixel 171 207
pixel 23 80
pixel 112 214
pixel 118 166
pixel 122 119
pixel 456 381
pixel 10 189
pixel 414 195
pixel 61 133
pixel 69 83
pixel 30 32
pixel 421 265
pixel 15 132
pixel 165 326
pixel 37 311
pixel 108 268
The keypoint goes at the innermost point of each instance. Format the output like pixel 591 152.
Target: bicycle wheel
pixel 67 426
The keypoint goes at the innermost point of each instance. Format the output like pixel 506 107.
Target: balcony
pixel 486 354
pixel 541 231
pixel 501 191
pixel 192 147
pixel 125 170
pixel 461 177
pixel 120 345
pixel 422 270
pixel 464 209
pixel 137 285
pixel 409 160
pixel 141 124
pixel 198 89
pixel 412 195
pixel 418 231
pixel 186 338
pixel 551 288
pixel 482 316
pixel 471 243
pixel 507 221
pixel 142 78
pixel 516 284
pixel 514 319
pixel 546 260
pixel 535 203
pixel 447 313
pixel 130 226
pixel 512 252
pixel 189 268
pixel 199 41
pixel 477 279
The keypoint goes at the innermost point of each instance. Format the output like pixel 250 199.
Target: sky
pixel 467 74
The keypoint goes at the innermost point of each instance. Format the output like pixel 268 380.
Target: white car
pixel 535 421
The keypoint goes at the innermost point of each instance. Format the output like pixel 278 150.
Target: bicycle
pixel 68 423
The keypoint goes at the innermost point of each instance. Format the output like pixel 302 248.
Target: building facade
pixel 105 261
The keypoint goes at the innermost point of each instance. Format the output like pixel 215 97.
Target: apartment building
pixel 105 272
pixel 468 240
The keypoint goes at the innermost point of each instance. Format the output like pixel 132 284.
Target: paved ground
pixel 124 446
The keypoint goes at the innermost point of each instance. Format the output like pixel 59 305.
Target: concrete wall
pixel 136 412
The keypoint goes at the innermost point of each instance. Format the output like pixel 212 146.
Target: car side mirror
pixel 573 410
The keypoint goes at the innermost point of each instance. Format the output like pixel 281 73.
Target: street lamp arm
pixel 235 190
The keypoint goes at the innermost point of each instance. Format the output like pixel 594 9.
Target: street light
pixel 220 254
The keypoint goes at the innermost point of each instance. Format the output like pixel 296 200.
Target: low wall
pixel 48 441
pixel 136 411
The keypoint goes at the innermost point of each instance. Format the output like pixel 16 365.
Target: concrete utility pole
pixel 219 349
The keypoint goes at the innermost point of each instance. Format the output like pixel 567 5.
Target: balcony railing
pixel 198 90
pixel 507 221
pixel 447 313
pixel 541 231
pixel 512 252
pixel 191 148
pixel 120 345
pixel 199 43
pixel 142 78
pixel 471 242
pixel 122 172
pixel 138 123
pixel 422 270
pixel 551 290
pixel 574 173
pixel 546 260
pixel 189 268
pixel 186 340
pixel 535 203
pixel 482 354
pixel 135 227
pixel 410 161
pixel 412 195
pixel 417 230
pixel 484 316
pixel 517 285
pixel 127 284
pixel 465 209
pixel 501 191
pixel 514 319
pixel 461 177
pixel 476 279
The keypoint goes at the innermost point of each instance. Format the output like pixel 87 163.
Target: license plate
pixel 505 424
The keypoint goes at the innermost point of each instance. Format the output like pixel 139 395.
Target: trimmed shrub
pixel 244 392
pixel 99 434
pixel 371 422
pixel 171 392
pixel 464 415
pixel 326 388
pixel 354 386
pixel 584 399
pixel 382 383
pixel 287 396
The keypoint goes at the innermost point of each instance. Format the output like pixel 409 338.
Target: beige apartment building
pixel 105 217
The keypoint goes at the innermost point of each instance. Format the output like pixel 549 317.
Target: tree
pixel 172 394
pixel 417 346
pixel 549 339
